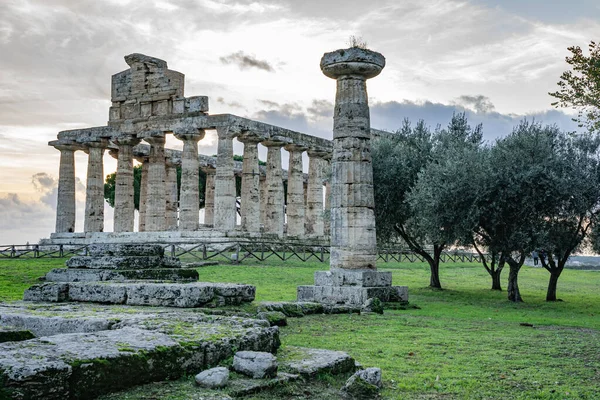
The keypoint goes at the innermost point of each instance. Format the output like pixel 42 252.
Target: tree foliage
pixel 580 87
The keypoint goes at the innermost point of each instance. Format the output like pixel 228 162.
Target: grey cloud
pixel 246 61
pixel 233 104
pixel 24 220
pixel 479 103
pixel 321 109
pixel 269 103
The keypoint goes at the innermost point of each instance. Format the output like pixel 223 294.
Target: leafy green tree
pixel 398 159
pixel 580 87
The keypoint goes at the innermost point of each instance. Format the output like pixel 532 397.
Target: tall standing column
pixel 189 197
pixel 263 199
pixel 295 192
pixel 250 202
pixel 274 214
pixel 353 277
pixel 156 202
pixel 209 196
pixel 124 201
pixel 225 208
pixel 171 194
pixel 143 192
pixel 94 190
pixel 65 204
pixel 314 201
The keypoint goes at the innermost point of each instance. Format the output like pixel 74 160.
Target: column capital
pixel 276 141
pixel 101 143
pixel 208 170
pixel 251 137
pixel 125 140
pixel 293 147
pixel 356 62
pixel 189 134
pixel 114 153
pixel 318 153
pixel 228 131
pixel 66 145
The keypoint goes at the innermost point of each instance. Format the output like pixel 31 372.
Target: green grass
pixel 464 342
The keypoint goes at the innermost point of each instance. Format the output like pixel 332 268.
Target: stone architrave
pixel 94 190
pixel 209 196
pixel 274 205
pixel 124 192
pixel 314 201
pixel 250 199
pixel 353 277
pixel 189 198
pixel 156 202
pixel 171 194
pixel 65 204
pixel 143 192
pixel 224 205
pixel 295 209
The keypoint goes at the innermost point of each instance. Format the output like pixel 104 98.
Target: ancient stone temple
pixel 148 103
pixel 353 277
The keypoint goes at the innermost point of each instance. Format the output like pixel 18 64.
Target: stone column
pixel 65 204
pixel 224 206
pixel 250 199
pixel 209 196
pixel 171 194
pixel 314 201
pixel 353 277
pixel 327 184
pixel 189 197
pixel 263 199
pixel 156 204
pixel 295 192
pixel 94 190
pixel 124 202
pixel 143 192
pixel 274 214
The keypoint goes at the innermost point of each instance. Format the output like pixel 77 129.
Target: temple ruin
pixel 148 103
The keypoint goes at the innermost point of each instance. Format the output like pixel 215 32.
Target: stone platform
pixel 182 295
pixel 81 351
pixel 352 288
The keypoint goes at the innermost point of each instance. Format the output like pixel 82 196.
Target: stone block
pixel 310 362
pixel 363 385
pixel 97 293
pixel 169 295
pixel 178 106
pixel 196 103
pixel 364 278
pixel 114 113
pixel 122 249
pixel 160 107
pixel 40 325
pixel 14 334
pixel 95 275
pixel 52 292
pixel 146 109
pixel 256 364
pixel 213 378
pixel 122 262
pixel 351 295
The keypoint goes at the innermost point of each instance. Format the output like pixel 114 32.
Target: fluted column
pixel 171 195
pixel 124 191
pixel 94 190
pixel 295 192
pixel 274 200
pixel 156 203
pixel 327 184
pixel 143 192
pixel 224 206
pixel 314 202
pixel 65 204
pixel 262 185
pixel 189 197
pixel 209 196
pixel 353 240
pixel 250 199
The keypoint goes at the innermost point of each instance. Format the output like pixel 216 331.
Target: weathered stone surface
pixel 245 387
pixel 124 203
pixel 275 318
pixel 93 275
pixel 183 295
pixel 363 385
pixel 140 345
pixel 224 193
pixel 255 364
pixel 65 208
pixel 14 334
pixel 372 305
pixel 342 277
pixel 125 249
pixel 40 325
pixel 310 362
pixel 188 204
pixel 292 309
pixel 94 191
pixel 213 378
pixel 123 262
pixel 351 295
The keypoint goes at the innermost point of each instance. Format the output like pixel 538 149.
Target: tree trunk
pixel 551 294
pixel 496 280
pixel 434 281
pixel 513 285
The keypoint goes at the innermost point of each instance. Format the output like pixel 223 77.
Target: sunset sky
pixel 497 60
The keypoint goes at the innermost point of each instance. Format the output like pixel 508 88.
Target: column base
pixel 351 287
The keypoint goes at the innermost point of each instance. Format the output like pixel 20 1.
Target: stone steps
pixel 98 275
pixel 183 295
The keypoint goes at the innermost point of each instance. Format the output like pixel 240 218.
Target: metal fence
pixel 235 251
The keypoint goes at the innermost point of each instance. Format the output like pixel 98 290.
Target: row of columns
pixel 261 199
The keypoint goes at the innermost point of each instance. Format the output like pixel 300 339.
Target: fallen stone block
pixel 52 292
pixel 255 364
pixel 310 362
pixel 95 275
pixel 40 325
pixel 275 318
pixel 91 292
pixel 213 378
pixel 363 385
pixel 123 262
pixel 123 249
pixel 245 387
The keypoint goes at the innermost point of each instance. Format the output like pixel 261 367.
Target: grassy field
pixel 465 342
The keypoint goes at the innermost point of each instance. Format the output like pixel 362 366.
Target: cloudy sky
pixel 497 60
